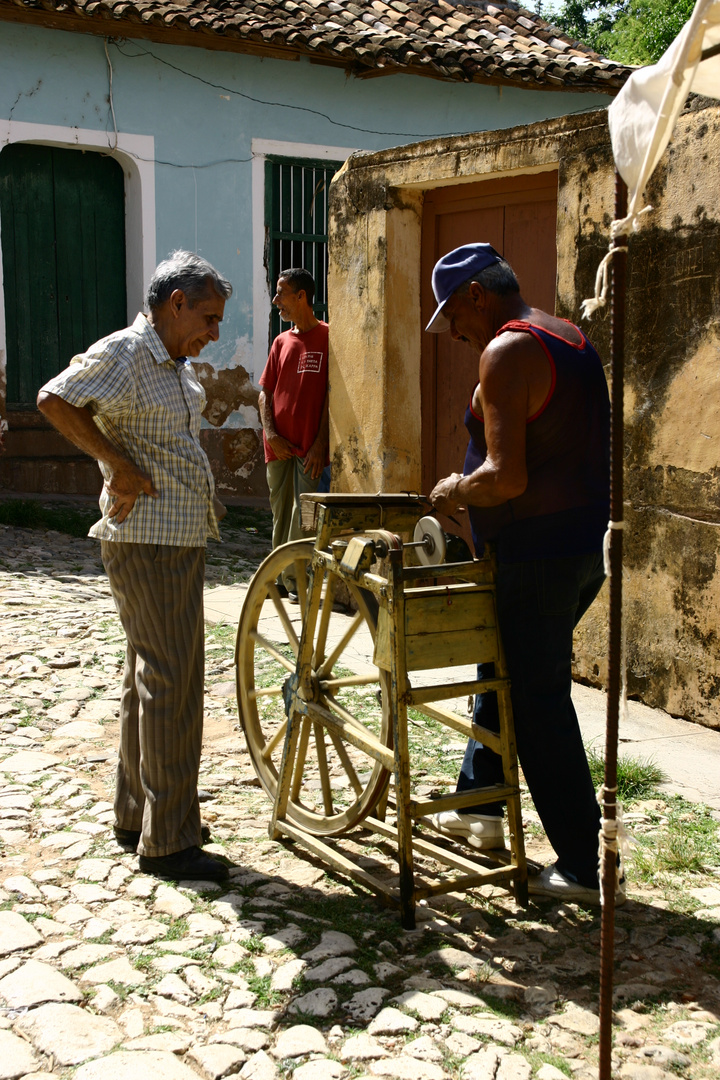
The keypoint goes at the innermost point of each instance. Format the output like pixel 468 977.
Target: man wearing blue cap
pixel 536 484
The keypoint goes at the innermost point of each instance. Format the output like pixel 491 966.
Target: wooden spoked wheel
pixel 335 785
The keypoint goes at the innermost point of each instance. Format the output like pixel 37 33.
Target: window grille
pixel 296 216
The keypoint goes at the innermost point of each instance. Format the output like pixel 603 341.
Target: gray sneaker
pixel 480 830
pixel 555 886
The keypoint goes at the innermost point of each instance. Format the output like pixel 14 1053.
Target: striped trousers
pixel 158 591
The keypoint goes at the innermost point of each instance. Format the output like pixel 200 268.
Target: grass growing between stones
pixel 686 841
pixel 121 989
pixel 266 997
pixel 538 1058
pixel 221 634
pixel 143 962
pixel 437 749
pixel 637 778
pixel 254 945
pixel 103 939
pixel 177 930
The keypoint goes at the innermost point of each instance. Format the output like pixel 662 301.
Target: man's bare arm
pixel 281 448
pixel 76 423
pixel 315 458
pixel 504 395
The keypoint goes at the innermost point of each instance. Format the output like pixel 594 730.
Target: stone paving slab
pixel 16 933
pixel 132 1065
pixel 35 983
pixel 70 1034
pixel 16 1057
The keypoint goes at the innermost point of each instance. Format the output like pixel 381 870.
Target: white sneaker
pixel 551 883
pixel 480 830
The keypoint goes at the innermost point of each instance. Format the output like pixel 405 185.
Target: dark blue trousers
pixel 539 606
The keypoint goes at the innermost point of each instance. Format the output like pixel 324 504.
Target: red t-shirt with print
pixel 296 374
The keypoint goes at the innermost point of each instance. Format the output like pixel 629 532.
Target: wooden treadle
pixel 471 873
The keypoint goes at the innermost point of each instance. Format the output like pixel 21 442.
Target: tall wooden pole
pixel 615 651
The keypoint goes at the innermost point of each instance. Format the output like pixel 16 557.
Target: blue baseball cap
pixel 451 271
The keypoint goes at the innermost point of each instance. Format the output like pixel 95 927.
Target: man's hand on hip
pixel 125 484
pixel 76 423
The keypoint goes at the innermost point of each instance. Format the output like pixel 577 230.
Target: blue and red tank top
pixel 564 508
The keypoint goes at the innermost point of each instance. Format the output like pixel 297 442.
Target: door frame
pixel 464 199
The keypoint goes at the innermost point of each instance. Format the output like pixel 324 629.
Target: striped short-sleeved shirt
pixel 150 407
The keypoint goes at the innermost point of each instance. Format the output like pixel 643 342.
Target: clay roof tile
pixel 455 40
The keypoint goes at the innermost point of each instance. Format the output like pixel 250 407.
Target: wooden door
pixel 62 215
pixel 517 215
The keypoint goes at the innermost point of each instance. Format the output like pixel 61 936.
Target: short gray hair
pixel 187 271
pixel 499 279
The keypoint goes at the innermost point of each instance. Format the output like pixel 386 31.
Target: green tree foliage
pixel 630 31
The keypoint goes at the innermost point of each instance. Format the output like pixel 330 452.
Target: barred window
pixel 296 218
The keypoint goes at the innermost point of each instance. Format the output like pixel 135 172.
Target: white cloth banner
pixel 643 115
pixel 642 118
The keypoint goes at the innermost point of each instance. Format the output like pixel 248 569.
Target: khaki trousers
pixel 158 591
pixel 287 481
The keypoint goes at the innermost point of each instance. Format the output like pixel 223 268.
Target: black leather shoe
pixel 192 864
pixel 128 839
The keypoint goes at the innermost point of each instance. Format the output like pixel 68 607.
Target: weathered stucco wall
pixel 374 346
pixel 672 533
pixel 672 420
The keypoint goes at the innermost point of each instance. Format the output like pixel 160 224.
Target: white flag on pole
pixel 643 115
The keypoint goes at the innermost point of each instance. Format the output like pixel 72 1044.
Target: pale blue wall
pixel 53 77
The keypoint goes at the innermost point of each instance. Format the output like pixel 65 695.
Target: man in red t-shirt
pixel 293 406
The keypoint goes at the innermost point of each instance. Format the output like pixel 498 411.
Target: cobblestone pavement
pixel 108 974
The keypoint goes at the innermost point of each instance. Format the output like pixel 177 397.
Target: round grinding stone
pixel 434 553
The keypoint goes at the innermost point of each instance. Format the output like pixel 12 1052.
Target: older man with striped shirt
pixel 133 402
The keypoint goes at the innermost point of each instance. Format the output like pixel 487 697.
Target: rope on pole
pixel 608 847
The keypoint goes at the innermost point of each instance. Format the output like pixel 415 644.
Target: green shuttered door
pixel 62 227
